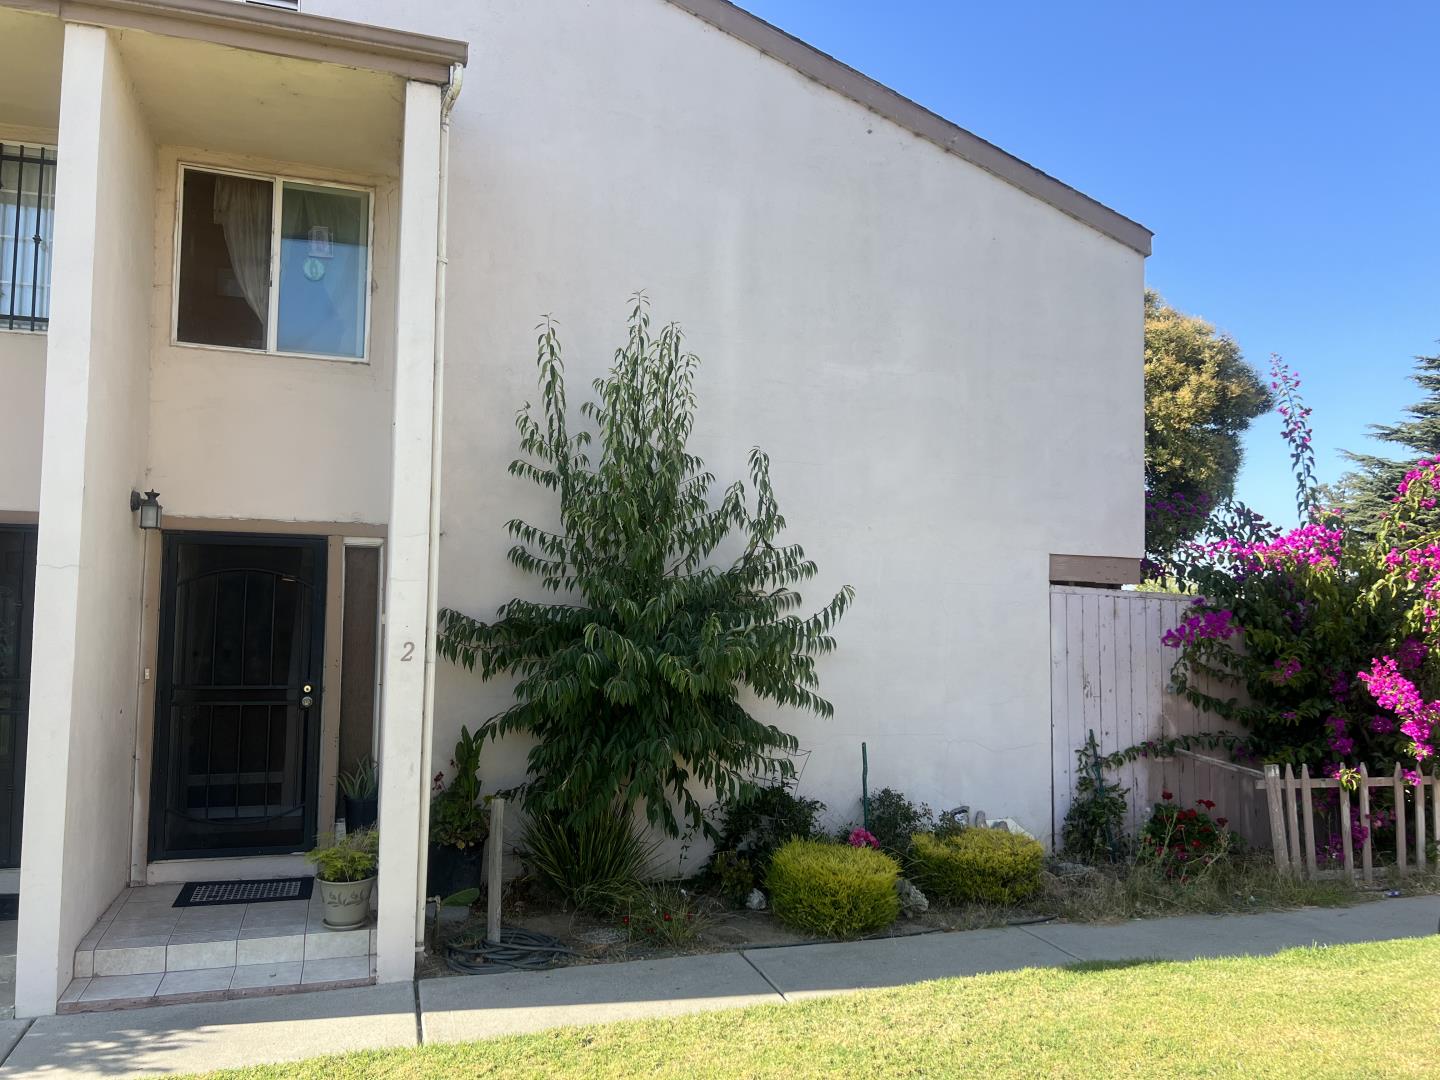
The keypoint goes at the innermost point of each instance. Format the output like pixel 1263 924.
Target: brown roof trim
pixel 846 81
pixel 1109 570
pixel 270 30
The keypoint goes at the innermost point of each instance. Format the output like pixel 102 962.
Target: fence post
pixel 1367 856
pixel 1307 802
pixel 1347 846
pixel 1397 784
pixel 1291 821
pixel 1435 804
pixel 1420 824
pixel 1277 818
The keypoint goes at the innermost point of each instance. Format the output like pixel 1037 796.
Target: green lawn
pixel 1347 1011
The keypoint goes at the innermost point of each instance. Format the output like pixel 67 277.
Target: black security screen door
pixel 238 696
pixel 17 594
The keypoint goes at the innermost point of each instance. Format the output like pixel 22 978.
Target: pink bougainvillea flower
pixel 863 838
pixel 1217 625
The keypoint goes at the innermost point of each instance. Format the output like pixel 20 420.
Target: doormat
pixel 216 893
pixel 9 906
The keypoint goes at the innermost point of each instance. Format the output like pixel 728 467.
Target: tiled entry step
pixel 145 952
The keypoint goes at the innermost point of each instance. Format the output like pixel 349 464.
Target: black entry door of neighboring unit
pixel 237 697
pixel 17 596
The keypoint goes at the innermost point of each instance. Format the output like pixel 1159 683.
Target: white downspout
pixel 432 608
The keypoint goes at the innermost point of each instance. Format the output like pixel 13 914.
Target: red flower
pixel 1222 821
pixel 1166 796
pixel 1206 803
pixel 626 920
pixel 667 916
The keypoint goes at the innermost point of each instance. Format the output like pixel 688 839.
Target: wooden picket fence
pixel 1291 803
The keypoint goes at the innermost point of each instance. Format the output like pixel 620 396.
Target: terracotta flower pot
pixel 347 903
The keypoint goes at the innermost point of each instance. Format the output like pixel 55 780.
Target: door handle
pixel 306 701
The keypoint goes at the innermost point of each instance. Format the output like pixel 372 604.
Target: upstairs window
pixel 273 265
pixel 27 231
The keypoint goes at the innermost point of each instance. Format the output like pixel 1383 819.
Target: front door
pixel 237 696
pixel 17 596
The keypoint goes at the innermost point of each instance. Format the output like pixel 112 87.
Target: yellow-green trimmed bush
pixel 987 866
pixel 833 890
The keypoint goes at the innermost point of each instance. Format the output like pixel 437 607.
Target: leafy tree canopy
pixel 630 679
pixel 1200 396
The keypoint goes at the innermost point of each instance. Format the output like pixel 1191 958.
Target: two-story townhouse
pixel 276 274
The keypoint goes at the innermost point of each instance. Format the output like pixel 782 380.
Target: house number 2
pixel 409 653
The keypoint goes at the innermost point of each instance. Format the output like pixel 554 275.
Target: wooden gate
pixel 1110 673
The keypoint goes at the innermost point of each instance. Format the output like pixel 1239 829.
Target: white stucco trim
pixel 83 701
pixel 403 786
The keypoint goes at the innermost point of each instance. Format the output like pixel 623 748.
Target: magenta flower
pixel 1208 624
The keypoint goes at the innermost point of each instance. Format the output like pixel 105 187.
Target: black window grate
pixel 27 232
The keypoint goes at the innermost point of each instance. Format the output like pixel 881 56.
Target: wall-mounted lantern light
pixel 149 507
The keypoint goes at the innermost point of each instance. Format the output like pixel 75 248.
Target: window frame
pixel 272 327
pixel 7 321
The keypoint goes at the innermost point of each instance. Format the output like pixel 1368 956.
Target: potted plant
pixel 360 788
pixel 345 874
pixel 459 823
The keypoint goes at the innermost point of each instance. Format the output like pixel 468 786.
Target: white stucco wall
pixel 240 434
pixel 945 370
pixel 22 408
pixel 87 596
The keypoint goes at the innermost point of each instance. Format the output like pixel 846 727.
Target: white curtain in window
pixel 242 210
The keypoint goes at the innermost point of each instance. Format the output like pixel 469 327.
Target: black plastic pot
pixel 452 870
pixel 361 813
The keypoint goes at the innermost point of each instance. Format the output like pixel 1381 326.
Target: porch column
pixel 84 679
pixel 404 789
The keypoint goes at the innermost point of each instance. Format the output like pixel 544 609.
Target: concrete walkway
pixel 193 1038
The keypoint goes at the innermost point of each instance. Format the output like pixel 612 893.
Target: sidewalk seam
pixel 29 1023
pixel 419 1021
pixel 746 957
pixel 1047 941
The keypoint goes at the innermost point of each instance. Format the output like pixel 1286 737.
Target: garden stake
pixel 492 906
pixel 865 786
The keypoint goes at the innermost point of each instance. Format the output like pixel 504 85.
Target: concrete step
pixel 144 949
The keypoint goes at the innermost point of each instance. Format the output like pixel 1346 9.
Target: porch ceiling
pixel 30 50
pixel 200 94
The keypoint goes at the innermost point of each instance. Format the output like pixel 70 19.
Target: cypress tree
pixel 1367 492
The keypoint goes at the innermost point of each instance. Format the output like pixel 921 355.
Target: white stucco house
pixel 278 270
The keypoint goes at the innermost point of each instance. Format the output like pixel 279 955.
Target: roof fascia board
pixel 880 99
pixel 270 30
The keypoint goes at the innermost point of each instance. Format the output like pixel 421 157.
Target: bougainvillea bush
pixel 1284 624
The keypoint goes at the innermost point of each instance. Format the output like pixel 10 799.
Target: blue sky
pixel 1286 155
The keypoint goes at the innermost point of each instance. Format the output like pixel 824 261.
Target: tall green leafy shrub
pixel 762 820
pixel 630 675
